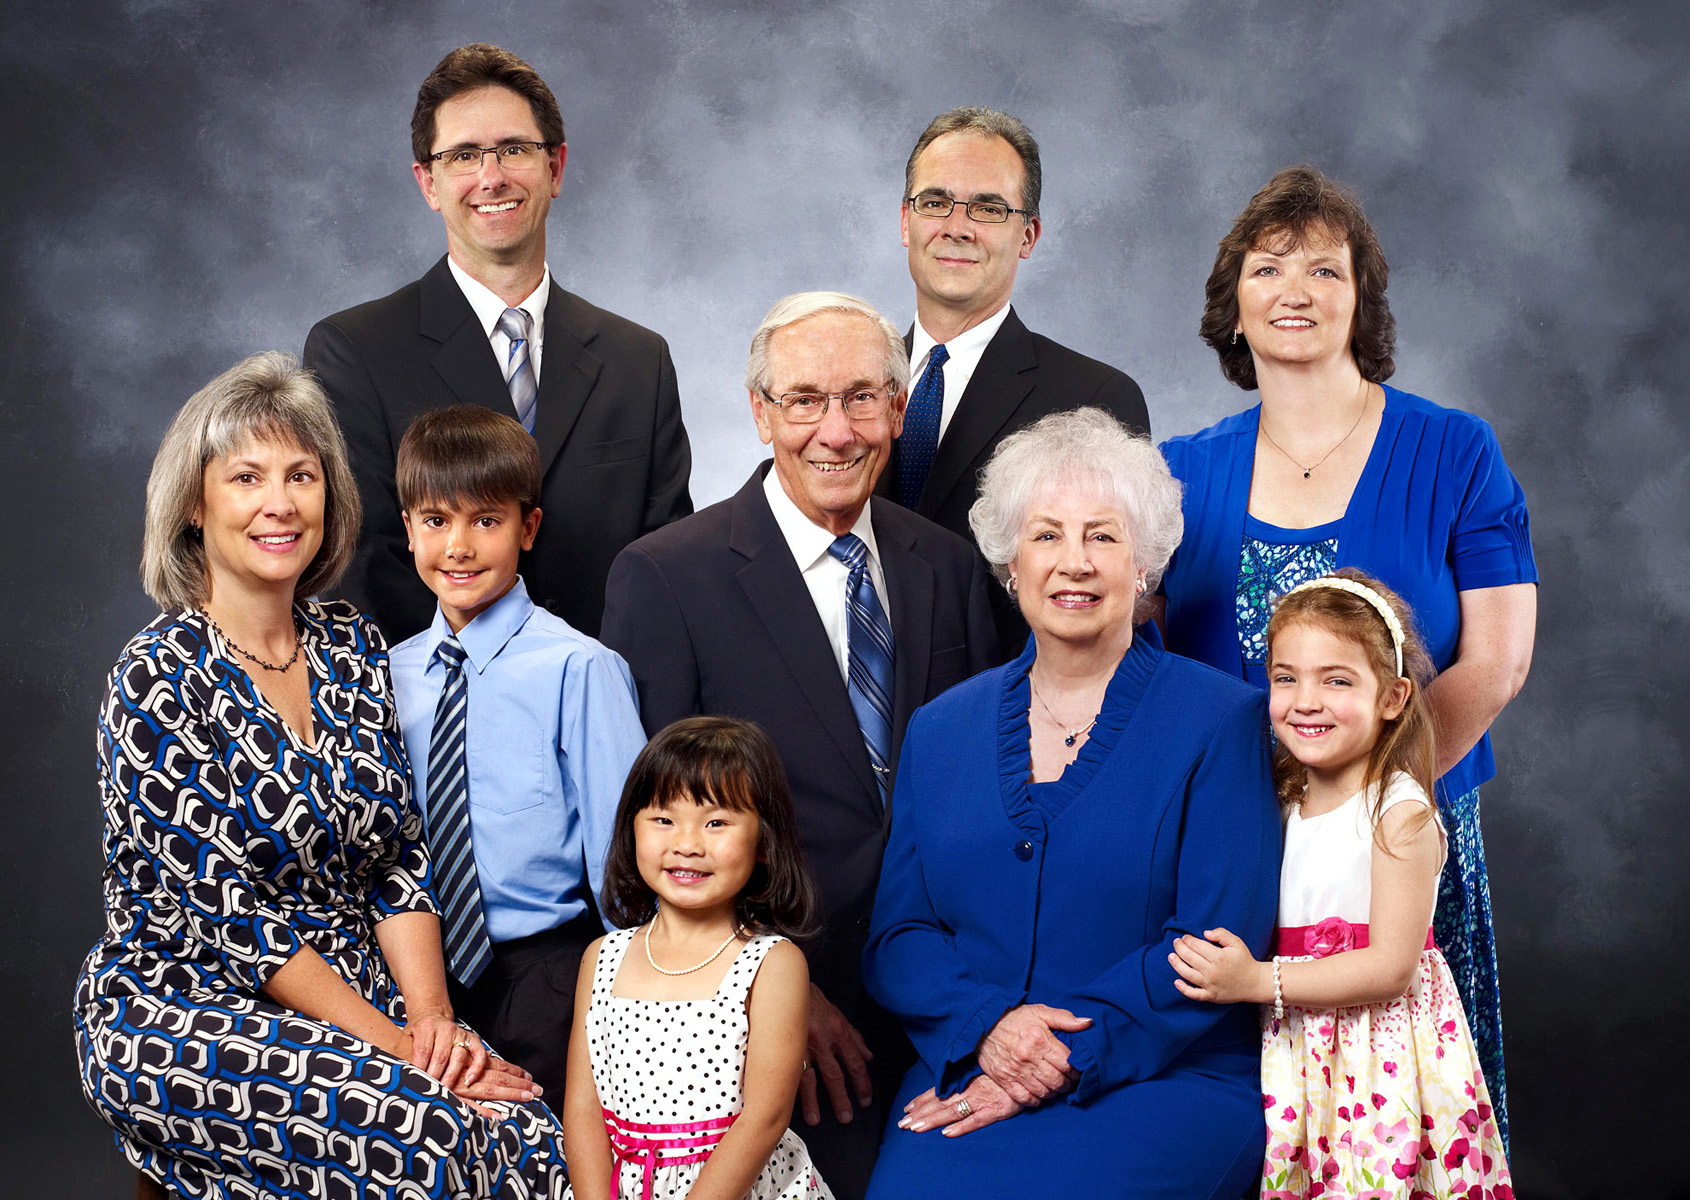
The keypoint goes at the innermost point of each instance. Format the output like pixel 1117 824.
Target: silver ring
pixel 963 1108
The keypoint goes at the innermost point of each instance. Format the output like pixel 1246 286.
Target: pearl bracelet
pixel 1278 994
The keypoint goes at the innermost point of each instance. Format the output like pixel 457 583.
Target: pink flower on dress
pixel 1331 936
pixel 1290 1113
pixel 1390 1067
pixel 1267 1100
pixel 1378 1102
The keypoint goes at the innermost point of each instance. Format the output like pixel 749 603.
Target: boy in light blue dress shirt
pixel 520 731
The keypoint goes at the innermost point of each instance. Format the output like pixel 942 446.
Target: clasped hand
pixel 459 1059
pixel 1217 967
pixel 1025 1064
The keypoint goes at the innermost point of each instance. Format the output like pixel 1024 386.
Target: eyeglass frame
pixel 967 209
pixel 827 400
pixel 439 156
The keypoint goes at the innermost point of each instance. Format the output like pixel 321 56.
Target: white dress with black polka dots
pixel 672 1073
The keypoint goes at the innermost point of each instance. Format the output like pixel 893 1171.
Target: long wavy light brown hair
pixel 1407 743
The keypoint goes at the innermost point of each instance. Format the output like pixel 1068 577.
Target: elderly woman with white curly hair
pixel 1059 822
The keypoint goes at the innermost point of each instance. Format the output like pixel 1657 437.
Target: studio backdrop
pixel 191 182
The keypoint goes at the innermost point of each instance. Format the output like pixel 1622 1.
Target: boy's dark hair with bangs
pixel 733 764
pixel 465 454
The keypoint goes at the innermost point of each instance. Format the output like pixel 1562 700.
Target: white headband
pixel 1339 583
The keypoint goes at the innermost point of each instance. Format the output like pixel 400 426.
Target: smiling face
pixel 1327 704
pixel 1297 302
pixel 960 266
pixel 467 553
pixel 495 217
pixel 697 857
pixel 261 515
pixel 1075 574
pixel 829 468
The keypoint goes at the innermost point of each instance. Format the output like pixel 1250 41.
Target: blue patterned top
pixel 1271 563
pixel 230 844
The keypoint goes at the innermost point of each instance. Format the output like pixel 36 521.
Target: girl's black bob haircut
pixel 733 764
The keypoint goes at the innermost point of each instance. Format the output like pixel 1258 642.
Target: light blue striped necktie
pixel 519 366
pixel 468 950
pixel 869 673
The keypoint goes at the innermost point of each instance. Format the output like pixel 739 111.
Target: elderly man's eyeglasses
pixel 807 408
pixel 512 156
pixel 989 212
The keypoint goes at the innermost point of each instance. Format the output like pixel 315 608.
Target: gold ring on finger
pixel 963 1108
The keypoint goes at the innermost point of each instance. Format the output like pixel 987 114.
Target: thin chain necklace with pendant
pixel 714 955
pixel 298 643
pixel 1366 402
pixel 1073 733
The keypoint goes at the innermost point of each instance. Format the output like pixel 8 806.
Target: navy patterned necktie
pixel 468 950
pixel 519 366
pixel 869 636
pixel 920 441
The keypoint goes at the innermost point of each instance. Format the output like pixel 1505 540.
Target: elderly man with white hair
pixel 1060 821
pixel 828 618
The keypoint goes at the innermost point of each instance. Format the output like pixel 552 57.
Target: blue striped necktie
pixel 468 950
pixel 869 637
pixel 519 366
pixel 920 441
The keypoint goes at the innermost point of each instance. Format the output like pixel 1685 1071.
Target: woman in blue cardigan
pixel 1057 823
pixel 1334 469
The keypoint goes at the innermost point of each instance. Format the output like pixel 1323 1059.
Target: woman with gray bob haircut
pixel 271 948
pixel 1059 821
pixel 267 397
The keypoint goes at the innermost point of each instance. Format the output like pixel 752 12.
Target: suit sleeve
pixel 1228 875
pixel 911 965
pixel 382 579
pixel 1123 397
pixel 644 622
pixel 671 456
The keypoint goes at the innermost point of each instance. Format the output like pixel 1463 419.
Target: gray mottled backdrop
pixel 191 182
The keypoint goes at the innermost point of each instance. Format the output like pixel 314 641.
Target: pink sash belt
pixel 651 1146
pixel 1331 936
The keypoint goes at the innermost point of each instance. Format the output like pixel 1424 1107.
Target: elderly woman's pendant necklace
pixel 1074 734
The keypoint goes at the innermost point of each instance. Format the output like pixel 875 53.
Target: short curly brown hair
pixel 1296 204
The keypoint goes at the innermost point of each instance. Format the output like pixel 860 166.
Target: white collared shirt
pixel 824 574
pixel 489 308
pixel 965 350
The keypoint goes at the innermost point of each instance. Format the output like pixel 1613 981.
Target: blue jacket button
pixel 1024 851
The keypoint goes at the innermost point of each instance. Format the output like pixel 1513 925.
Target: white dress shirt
pixel 965 350
pixel 489 308
pixel 824 574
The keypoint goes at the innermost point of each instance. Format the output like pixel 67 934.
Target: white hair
pixel 800 305
pixel 1089 445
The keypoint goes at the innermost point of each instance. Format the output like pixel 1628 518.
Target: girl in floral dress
pixel 1370 1081
pixel 690 1018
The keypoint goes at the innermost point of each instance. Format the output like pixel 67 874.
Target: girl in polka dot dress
pixel 690 1019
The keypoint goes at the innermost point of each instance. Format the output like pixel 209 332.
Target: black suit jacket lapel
pixel 777 592
pixel 998 386
pixel 568 371
pixel 465 360
pixel 909 580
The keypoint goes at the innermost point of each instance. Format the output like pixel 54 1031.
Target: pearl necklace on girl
pixel 714 955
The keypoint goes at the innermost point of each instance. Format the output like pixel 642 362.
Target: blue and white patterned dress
pixel 229 846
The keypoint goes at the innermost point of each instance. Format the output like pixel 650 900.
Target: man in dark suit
pixel 827 619
pixel 488 325
pixel 970 215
